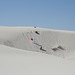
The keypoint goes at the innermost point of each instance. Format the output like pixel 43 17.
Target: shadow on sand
pixel 43 50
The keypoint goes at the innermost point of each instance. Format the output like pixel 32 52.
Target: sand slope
pixel 62 42
pixel 21 62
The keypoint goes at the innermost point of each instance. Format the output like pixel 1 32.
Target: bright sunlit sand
pixel 36 51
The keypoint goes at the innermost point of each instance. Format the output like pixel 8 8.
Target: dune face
pixel 54 42
pixel 34 51
pixel 21 62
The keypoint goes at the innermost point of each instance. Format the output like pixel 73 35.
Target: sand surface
pixel 19 55
pixel 54 42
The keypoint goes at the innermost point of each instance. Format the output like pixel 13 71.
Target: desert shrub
pixel 60 47
pixel 54 49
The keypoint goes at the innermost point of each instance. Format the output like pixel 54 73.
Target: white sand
pixel 21 62
pixel 21 56
pixel 19 37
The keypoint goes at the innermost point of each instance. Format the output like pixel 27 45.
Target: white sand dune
pixel 21 62
pixel 19 55
pixel 55 42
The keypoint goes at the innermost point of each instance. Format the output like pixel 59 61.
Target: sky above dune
pixel 52 14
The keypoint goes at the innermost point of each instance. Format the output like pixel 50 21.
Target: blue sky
pixel 52 14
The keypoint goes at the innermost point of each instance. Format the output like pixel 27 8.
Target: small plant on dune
pixel 54 49
pixel 60 47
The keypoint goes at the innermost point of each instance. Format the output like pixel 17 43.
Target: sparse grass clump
pixel 54 49
pixel 58 48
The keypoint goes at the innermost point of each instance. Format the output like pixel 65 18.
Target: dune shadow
pixel 43 50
